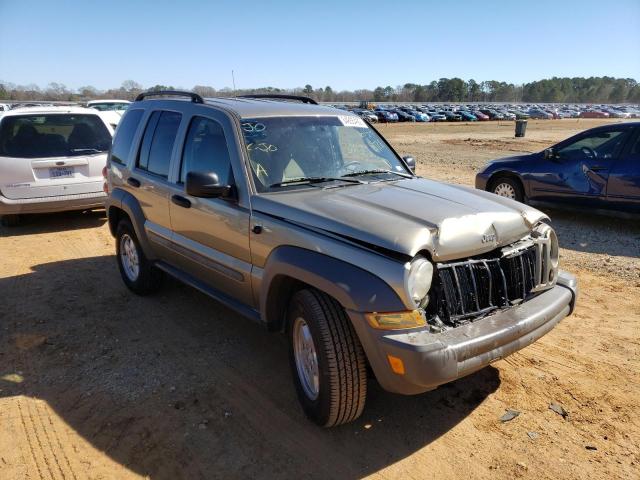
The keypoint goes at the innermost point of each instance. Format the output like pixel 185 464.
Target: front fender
pixel 353 287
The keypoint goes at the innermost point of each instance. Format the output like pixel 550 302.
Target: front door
pixel 211 235
pixel 579 170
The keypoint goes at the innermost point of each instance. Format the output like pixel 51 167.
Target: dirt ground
pixel 96 383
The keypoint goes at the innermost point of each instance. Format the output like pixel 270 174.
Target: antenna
pixel 233 79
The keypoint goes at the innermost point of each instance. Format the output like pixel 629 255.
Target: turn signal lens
pixel 396 320
pixel 396 364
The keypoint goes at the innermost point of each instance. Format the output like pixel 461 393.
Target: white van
pixel 51 160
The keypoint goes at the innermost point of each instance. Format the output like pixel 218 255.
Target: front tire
pixel 327 360
pixel 137 272
pixel 507 187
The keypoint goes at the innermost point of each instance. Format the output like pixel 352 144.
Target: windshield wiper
pixel 377 170
pixel 311 180
pixel 87 150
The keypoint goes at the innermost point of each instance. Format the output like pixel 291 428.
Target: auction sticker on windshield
pixel 351 121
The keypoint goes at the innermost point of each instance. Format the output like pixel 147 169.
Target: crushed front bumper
pixel 432 359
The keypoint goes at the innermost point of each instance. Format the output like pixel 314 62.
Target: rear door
pixel 623 189
pixel 52 154
pixel 148 180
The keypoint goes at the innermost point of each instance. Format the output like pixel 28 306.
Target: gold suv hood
pixel 407 216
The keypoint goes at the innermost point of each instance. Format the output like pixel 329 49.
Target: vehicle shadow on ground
pixel 177 386
pixel 55 222
pixel 596 233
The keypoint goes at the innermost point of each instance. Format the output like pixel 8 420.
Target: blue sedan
pixel 596 169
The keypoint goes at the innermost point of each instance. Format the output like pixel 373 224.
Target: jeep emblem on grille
pixel 489 237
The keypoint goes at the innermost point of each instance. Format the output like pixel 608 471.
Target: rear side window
pixel 124 136
pixel 157 143
pixel 205 150
pixel 53 135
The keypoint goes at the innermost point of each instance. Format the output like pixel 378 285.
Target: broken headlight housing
pixel 547 256
pixel 418 280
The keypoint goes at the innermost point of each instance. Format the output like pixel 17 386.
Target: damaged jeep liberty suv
pixel 303 218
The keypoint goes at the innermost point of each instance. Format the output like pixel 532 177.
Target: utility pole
pixel 233 79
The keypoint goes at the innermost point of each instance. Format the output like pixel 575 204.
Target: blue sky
pixel 344 44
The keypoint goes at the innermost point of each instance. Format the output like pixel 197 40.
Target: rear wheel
pixel 508 187
pixel 327 359
pixel 10 220
pixel 140 275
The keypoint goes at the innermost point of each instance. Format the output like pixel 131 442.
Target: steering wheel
pixel 348 166
pixel 589 152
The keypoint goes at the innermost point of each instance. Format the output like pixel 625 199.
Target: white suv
pixel 51 160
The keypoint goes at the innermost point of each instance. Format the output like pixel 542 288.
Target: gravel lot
pixel 96 383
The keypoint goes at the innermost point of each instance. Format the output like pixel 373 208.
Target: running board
pixel 217 295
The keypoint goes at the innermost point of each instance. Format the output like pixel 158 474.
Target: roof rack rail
pixel 195 98
pixel 273 96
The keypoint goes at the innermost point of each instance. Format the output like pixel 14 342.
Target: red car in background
pixel 594 114
pixel 480 116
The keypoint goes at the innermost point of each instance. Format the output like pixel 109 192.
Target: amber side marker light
pixel 397 365
pixel 396 320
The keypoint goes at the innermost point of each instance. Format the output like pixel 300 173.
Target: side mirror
pixel 411 163
pixel 550 154
pixel 206 185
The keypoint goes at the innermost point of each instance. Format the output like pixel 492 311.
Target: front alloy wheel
pixel 508 187
pixel 306 358
pixel 505 190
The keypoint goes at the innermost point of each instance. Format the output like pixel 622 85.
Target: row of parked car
pixel 67 146
pixel 476 112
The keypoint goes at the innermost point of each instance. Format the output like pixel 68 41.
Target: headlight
pixel 419 279
pixel 548 253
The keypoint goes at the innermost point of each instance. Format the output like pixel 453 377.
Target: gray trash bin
pixel 521 128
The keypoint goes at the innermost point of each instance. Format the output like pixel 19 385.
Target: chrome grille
pixel 471 288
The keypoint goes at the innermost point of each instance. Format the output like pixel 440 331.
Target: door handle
pixel 181 201
pixel 597 168
pixel 134 182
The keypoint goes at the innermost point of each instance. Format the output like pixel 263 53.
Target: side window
pixel 601 145
pixel 205 150
pixel 124 136
pixel 157 143
pixel 635 148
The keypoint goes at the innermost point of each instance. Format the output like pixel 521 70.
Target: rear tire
pixel 507 187
pixel 336 393
pixel 10 220
pixel 138 273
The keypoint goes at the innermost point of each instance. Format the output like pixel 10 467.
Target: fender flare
pixel 126 202
pixel 353 287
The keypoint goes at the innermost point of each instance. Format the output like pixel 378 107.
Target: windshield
pixel 283 149
pixel 55 135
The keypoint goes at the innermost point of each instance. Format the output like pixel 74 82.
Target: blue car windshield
pixel 283 149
